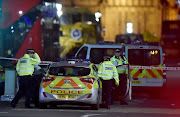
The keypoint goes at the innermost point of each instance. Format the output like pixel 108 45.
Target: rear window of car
pixel 96 54
pixel 69 71
pixel 144 57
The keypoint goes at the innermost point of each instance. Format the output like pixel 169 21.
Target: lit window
pixel 129 27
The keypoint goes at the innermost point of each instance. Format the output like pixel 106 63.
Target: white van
pixel 95 52
pixel 138 56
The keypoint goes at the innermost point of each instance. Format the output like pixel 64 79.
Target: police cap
pixel 30 51
pixel 118 50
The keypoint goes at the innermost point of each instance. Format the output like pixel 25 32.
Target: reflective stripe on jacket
pixel 108 71
pixel 120 61
pixel 25 65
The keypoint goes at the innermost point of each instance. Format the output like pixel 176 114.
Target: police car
pixel 71 82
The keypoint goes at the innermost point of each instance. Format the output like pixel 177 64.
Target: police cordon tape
pixel 15 59
pixel 131 67
pixel 157 68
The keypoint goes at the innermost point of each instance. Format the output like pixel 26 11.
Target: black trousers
pixel 120 90
pixel 107 91
pixel 2 88
pixel 25 88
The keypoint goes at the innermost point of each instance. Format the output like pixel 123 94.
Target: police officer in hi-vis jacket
pixel 25 69
pixel 119 59
pixel 107 72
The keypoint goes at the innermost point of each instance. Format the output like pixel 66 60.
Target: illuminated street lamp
pixel 59 9
pixel 98 15
pixel 20 12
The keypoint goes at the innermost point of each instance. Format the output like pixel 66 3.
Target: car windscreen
pixel 96 54
pixel 69 71
pixel 145 57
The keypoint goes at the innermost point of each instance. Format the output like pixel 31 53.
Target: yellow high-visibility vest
pixel 116 62
pixel 25 65
pixel 108 71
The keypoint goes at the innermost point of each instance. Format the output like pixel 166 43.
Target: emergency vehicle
pixel 146 62
pixel 95 53
pixel 142 59
pixel 71 82
pixel 78 26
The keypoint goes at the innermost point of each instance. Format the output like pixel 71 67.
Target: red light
pixel 88 80
pixel 48 79
pixel 89 96
pixel 44 94
pixel 163 59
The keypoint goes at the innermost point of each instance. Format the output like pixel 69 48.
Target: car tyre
pixel 42 105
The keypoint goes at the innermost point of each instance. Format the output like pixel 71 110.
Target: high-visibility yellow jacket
pixel 119 61
pixel 25 65
pixel 108 71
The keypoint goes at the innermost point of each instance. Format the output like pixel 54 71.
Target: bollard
pixel 9 90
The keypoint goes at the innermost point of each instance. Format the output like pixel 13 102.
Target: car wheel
pixel 42 105
pixel 96 106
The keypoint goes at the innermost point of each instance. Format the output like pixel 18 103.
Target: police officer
pixel 25 69
pixel 108 73
pixel 119 59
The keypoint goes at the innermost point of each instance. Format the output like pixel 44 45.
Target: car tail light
pixel 89 96
pixel 48 79
pixel 164 59
pixel 88 80
pixel 44 94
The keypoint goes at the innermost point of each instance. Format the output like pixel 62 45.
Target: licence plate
pixel 136 82
pixel 66 96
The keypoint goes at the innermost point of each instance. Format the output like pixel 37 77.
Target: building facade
pixel 138 15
